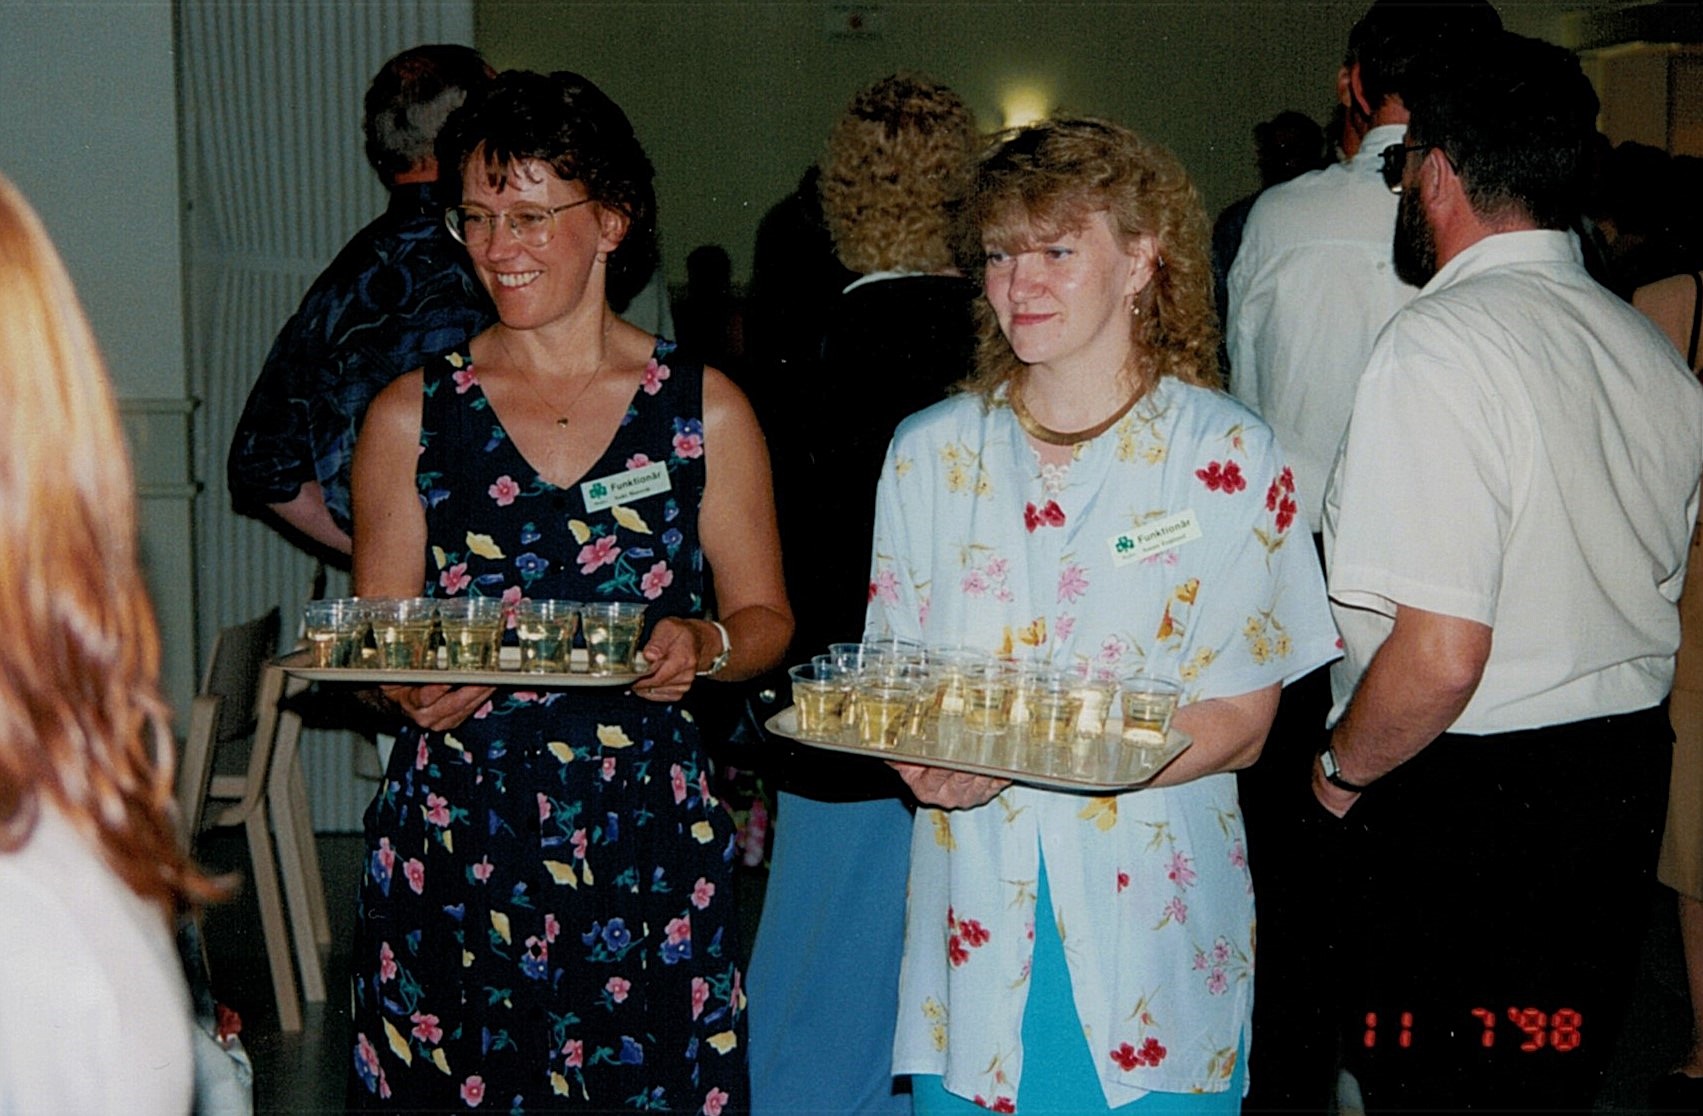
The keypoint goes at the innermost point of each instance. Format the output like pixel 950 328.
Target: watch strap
pixel 720 661
pixel 1333 772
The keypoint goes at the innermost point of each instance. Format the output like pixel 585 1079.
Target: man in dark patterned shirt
pixel 401 291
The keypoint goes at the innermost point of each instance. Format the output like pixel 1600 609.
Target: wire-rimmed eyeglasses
pixel 532 225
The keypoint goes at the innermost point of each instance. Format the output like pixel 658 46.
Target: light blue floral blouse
pixel 1169 542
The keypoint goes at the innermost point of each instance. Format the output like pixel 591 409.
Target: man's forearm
pixel 307 513
pixel 1416 686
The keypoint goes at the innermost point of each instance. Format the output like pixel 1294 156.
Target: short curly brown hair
pixel 894 169
pixel 1050 177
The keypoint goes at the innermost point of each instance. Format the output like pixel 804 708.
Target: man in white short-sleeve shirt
pixel 1507 528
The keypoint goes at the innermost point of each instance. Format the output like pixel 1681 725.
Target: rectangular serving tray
pixel 300 664
pixel 1104 765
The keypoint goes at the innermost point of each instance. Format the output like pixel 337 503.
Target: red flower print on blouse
pixel 1128 1057
pixel 997 1104
pixel 1048 514
pixel 1280 498
pixel 1225 477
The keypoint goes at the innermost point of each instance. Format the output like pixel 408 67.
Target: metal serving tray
pixel 300 664
pixel 1106 764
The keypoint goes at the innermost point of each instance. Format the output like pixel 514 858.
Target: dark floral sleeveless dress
pixel 545 918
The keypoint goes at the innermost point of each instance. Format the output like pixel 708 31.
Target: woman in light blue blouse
pixel 1065 952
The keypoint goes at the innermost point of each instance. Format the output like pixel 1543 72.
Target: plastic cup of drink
pixel 402 632
pixel 819 695
pixel 611 630
pixel 546 630
pixel 886 693
pixel 988 691
pixel 1098 691
pixel 472 631
pixel 335 631
pixel 1148 704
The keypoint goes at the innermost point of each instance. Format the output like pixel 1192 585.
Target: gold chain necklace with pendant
pixel 1032 426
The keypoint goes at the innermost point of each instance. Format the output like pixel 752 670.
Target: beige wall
pixel 732 100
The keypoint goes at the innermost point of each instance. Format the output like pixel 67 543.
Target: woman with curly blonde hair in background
pixel 94 1015
pixel 900 335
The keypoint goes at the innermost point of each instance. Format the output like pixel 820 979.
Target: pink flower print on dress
pixel 455 579
pixel 465 380
pixel 700 995
pixel 1217 983
pixel 596 554
pixel 482 712
pixel 974 584
pixel 482 870
pixel 473 1091
pixel 638 461
pixel 422 755
pixel 511 597
pixel 426 1028
pixel 654 375
pixel 608 769
pixel 1072 583
pixel 618 987
pixel 579 843
pixel 677 783
pixel 702 892
pixel 1177 909
pixel 544 807
pixel 552 928
pixel 688 445
pixel 1225 477
pixel 504 490
pixel 679 930
pixel 573 1053
pixel 386 963
pixel 437 809
pixel 416 873
pixel 713 1101
pixel 1181 871
pixel 656 579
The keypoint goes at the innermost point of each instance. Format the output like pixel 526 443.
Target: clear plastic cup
pixel 336 629
pixel 819 694
pixel 611 630
pixel 472 631
pixel 886 692
pixel 988 691
pixel 1149 702
pixel 546 631
pixel 402 631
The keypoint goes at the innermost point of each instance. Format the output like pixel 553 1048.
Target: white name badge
pixel 1154 537
pixel 624 488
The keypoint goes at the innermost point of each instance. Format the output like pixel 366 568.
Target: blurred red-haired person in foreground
pixel 94 1015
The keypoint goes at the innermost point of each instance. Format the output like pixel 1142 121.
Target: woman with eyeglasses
pixel 546 915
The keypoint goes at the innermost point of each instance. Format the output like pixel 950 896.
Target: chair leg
pixel 303 815
pixel 195 766
pixel 292 856
pixel 272 922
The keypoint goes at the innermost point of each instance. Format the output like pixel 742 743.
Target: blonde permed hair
pixel 1049 178
pixel 82 723
pixel 895 167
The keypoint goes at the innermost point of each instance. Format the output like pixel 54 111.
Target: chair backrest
pixel 233 674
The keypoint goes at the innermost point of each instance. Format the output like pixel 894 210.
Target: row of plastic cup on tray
pixel 466 633
pixel 884 693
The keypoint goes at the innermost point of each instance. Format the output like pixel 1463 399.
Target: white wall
pixel 89 132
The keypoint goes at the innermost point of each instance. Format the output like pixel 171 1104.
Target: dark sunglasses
pixel 1395 161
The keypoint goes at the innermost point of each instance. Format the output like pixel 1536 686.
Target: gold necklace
pixel 526 377
pixel 1032 426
